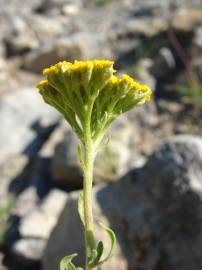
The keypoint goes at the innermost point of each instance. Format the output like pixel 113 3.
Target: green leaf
pixel 66 264
pixel 96 255
pixel 81 208
pixel 113 242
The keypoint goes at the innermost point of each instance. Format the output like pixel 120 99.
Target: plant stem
pixel 87 189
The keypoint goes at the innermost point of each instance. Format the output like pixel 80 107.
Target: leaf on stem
pixel 112 237
pixel 66 264
pixel 95 258
pixel 96 254
pixel 81 208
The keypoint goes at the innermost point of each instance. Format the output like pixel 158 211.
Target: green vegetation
pixel 193 94
pixel 102 2
pixel 5 211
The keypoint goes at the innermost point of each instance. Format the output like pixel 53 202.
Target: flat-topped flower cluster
pixel 83 87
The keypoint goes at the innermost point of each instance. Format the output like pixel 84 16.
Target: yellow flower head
pixel 75 88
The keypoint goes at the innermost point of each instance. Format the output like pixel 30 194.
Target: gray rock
pixel 180 159
pixel 22 43
pixel 26 202
pixel 45 28
pixel 19 113
pixel 155 212
pixel 185 20
pixel 29 250
pixel 142 72
pixel 45 216
pixel 198 37
pixel 21 38
pixel 164 63
pixel 71 9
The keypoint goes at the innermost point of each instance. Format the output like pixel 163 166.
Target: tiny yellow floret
pixel 127 79
pixel 42 84
pixel 81 65
pixel 114 80
pixel 78 66
pixel 64 65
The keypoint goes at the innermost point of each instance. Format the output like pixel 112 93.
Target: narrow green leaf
pixel 99 251
pixel 113 242
pixel 96 255
pixel 66 264
pixel 81 208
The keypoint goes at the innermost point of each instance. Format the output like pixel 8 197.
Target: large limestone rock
pixel 156 212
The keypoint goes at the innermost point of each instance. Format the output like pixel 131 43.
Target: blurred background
pixel 148 179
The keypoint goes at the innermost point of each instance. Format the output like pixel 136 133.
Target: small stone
pixel 144 74
pixel 198 37
pixel 26 202
pixel 45 216
pixel 197 46
pixel 29 250
pixel 176 156
pixel 164 63
pixel 71 9
pixel 185 20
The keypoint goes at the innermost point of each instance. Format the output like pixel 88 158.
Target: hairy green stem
pixel 87 188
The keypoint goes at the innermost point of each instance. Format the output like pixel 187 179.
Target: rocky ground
pixel 152 193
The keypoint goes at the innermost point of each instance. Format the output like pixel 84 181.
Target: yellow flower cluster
pixel 77 66
pixel 83 87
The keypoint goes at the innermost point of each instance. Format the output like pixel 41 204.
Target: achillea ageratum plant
pixel 90 98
